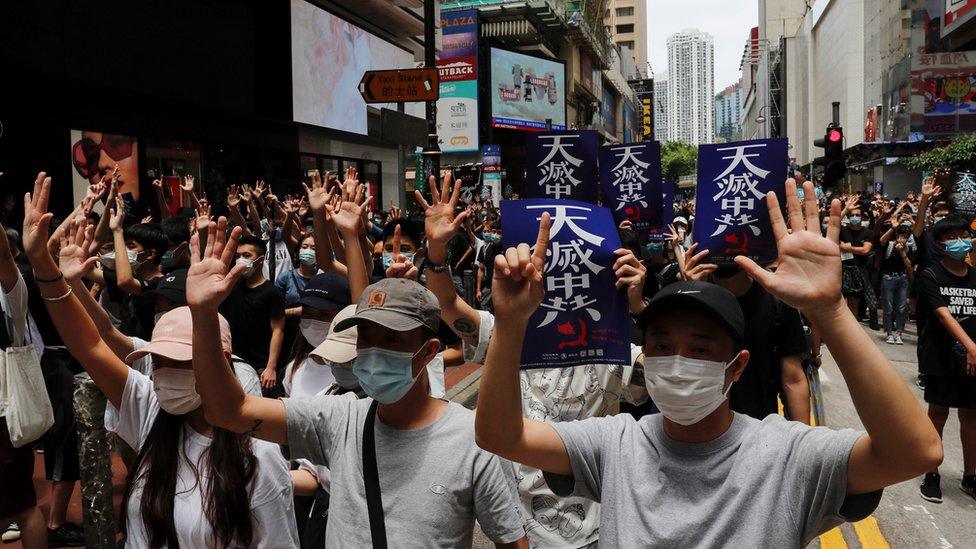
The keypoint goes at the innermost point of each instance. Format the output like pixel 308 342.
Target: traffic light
pixel 832 160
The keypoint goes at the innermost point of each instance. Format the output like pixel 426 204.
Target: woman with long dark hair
pixel 193 485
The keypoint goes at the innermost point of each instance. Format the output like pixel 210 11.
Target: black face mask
pixel 727 271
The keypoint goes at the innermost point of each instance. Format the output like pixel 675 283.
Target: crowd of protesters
pixel 275 377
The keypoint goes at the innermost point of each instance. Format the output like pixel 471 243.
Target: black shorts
pixel 957 391
pixel 61 458
pixel 16 475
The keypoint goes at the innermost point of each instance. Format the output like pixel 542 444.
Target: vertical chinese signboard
pixel 561 165
pixel 457 108
pixel 583 317
pixel 646 99
pixel 733 179
pixel 630 177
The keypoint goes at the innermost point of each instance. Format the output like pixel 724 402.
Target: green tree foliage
pixel 678 159
pixel 959 154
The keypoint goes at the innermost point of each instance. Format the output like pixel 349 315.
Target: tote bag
pixel 29 413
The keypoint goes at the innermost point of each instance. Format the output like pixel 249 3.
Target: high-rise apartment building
pixel 728 111
pixel 691 85
pixel 627 21
pixel 661 106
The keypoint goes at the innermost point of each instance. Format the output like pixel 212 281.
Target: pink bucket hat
pixel 173 337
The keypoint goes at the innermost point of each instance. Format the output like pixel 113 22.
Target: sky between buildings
pixel 728 21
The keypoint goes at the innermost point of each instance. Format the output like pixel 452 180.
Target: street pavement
pixel 903 519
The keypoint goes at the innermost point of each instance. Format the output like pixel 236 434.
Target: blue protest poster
pixel 730 198
pixel 667 198
pixel 583 317
pixel 630 178
pixel 561 165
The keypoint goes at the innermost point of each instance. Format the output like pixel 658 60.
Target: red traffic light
pixel 834 136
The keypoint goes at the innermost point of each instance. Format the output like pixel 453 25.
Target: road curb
pixel 465 392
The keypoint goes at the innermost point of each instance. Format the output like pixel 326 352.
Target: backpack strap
pixel 374 500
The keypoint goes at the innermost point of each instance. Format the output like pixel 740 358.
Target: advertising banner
pixel 630 177
pixel 561 165
pixel 457 108
pixel 583 317
pixel 330 56
pixel 94 154
pixel 526 91
pixel 731 214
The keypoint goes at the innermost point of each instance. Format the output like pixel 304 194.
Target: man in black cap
pixel 698 474
pixel 433 481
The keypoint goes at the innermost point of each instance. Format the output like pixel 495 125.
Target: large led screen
pixel 329 57
pixel 527 90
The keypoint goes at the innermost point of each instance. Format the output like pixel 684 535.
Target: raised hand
pixel 158 183
pixel 233 197
pixel 210 278
pixel 440 225
pixel 808 275
pixel 631 274
pixel 318 197
pixel 203 219
pixel 692 267
pixel 347 214
pixel 246 194
pixel 37 220
pixel 187 184
pixel 929 188
pixel 73 256
pixel 625 225
pixel 395 212
pixel 516 286
pixel 400 267
pixel 118 214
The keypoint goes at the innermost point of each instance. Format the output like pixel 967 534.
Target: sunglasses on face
pixel 85 153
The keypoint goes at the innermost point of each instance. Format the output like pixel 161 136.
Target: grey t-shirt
pixel 769 483
pixel 434 481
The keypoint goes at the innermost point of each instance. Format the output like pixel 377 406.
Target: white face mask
pixel 176 390
pixel 685 389
pixel 314 330
pixel 108 259
pixel 248 265
pixel 343 374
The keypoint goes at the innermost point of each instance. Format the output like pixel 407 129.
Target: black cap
pixel 173 286
pixel 714 300
pixel 326 292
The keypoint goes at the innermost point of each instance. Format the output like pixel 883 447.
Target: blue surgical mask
pixel 958 248
pixel 306 256
pixel 855 220
pixel 388 258
pixel 385 375
pixel 344 375
pixel 655 248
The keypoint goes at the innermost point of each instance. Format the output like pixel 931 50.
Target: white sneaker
pixel 898 340
pixel 12 533
pixel 890 340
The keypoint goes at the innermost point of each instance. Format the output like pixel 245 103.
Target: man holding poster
pixel 698 474
pixel 549 394
pixel 733 179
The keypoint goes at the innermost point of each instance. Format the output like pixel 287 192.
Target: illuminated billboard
pixel 526 91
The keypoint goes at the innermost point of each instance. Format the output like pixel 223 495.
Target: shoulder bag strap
pixel 374 502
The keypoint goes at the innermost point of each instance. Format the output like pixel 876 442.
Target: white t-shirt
pixel 242 370
pixel 557 395
pixel 282 260
pixel 311 378
pixel 20 324
pixel 270 492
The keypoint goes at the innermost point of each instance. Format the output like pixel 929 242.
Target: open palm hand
pixel 210 278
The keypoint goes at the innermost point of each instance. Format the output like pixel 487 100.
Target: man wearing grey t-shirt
pixel 698 474
pixel 434 482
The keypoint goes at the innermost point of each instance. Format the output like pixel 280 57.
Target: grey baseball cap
pixel 398 304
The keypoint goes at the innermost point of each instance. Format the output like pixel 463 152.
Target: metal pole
pixel 432 152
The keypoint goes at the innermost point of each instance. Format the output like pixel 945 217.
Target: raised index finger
pixel 542 240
